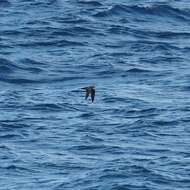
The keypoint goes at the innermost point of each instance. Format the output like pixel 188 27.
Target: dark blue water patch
pixel 106 73
pixel 31 62
pixel 185 49
pixel 4 3
pixel 74 166
pixel 36 81
pixel 70 19
pixel 42 3
pixel 52 32
pixel 166 123
pixel 114 99
pixel 87 115
pixel 142 123
pixel 18 80
pixel 47 107
pixel 31 66
pixel 185 88
pixel 8 67
pixel 138 70
pixel 154 45
pixel 134 171
pixel 140 34
pixel 120 54
pixel 129 101
pixel 40 31
pixel 162 60
pixel 142 75
pixel 79 31
pixel 91 149
pixel 85 30
pixel 38 23
pixel 130 186
pixel 52 107
pixel 10 33
pixel 52 2
pixel 147 34
pixel 92 139
pixel 10 136
pixel 137 170
pixel 172 35
pixel 88 148
pixel 2 146
pixel 52 43
pixel 90 3
pixel 114 45
pixel 12 125
pixel 5 46
pixel 141 45
pixel 62 32
pixel 117 29
pixel 162 35
pixel 16 168
pixel 113 176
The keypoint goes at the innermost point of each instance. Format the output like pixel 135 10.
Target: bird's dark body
pixel 90 91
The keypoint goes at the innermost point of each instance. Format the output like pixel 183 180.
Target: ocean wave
pixel 87 147
pixel 5 46
pixel 154 10
pixel 118 186
pixel 166 123
pixel 90 3
pixel 10 136
pixel 47 107
pixel 143 111
pixel 72 19
pixel 16 168
pixel 18 80
pixel 163 34
pixel 35 80
pixel 87 115
pixel 48 43
pixel 138 70
pixel 114 99
pixel 43 3
pixel 10 32
pixel 7 66
pixel 12 125
pixel 31 62
pixel 75 31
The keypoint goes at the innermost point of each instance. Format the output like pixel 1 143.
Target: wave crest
pixel 157 10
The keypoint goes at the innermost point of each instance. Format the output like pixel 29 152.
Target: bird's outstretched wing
pixel 93 94
pixel 87 93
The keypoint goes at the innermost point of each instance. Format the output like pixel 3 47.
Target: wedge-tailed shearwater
pixel 90 90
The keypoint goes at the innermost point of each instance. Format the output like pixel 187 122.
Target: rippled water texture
pixel 136 134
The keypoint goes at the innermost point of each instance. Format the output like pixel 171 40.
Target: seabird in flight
pixel 90 90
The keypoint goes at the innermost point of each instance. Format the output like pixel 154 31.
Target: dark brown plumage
pixel 90 90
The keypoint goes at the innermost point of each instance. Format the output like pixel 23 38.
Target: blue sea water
pixel 136 134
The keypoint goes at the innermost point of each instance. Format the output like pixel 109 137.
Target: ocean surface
pixel 135 135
